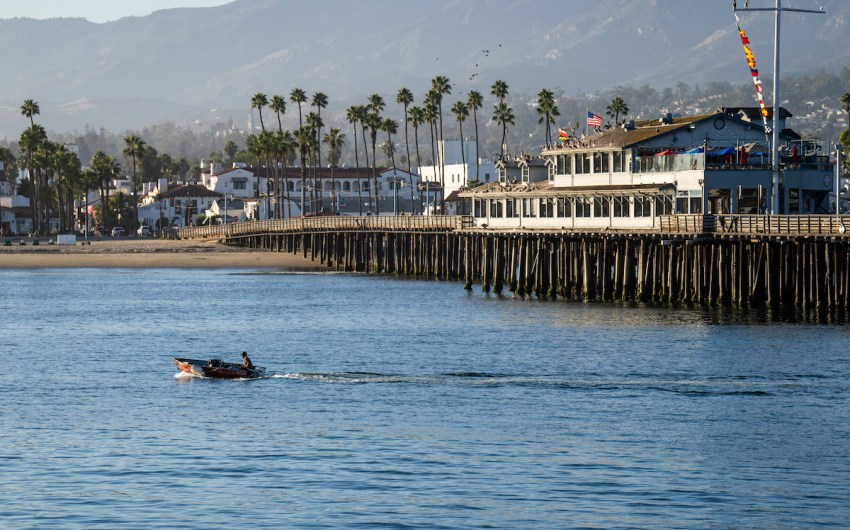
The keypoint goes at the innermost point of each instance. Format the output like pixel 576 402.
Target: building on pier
pixel 628 176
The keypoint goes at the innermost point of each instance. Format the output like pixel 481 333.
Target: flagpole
pixel 774 192
pixel 585 121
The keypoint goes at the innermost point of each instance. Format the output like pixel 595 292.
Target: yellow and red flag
pixel 754 72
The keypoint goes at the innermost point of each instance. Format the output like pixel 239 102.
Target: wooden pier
pixel 746 261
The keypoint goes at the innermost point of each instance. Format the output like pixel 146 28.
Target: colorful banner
pixel 751 62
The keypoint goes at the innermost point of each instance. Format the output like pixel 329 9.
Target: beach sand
pixel 148 253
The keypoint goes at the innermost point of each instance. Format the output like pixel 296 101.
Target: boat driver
pixel 246 361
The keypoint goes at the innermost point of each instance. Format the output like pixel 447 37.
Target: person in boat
pixel 246 361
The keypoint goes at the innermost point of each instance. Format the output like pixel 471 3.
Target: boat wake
pixel 692 387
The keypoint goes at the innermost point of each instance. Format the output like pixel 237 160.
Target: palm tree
pixel 304 137
pixel 405 98
pixel 503 114
pixel 256 146
pixel 475 102
pixel 275 155
pixel 258 102
pixel 499 89
pixel 106 169
pixel 88 181
pixel 66 167
pixel 430 111
pixel 29 109
pixel 617 107
pixel 353 116
pixel 440 87
pixel 7 159
pixel 547 111
pixel 298 96
pixel 314 122
pixel 376 105
pixel 461 112
pixel 134 148
pixel 288 147
pixel 363 114
pixel 416 118
pixel 334 139
pixel 30 142
pixel 390 127
pixel 44 164
pixel 278 106
pixel 320 101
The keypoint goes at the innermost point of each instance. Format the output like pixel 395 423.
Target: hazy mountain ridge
pixel 191 60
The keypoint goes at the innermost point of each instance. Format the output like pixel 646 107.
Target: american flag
pixel 593 120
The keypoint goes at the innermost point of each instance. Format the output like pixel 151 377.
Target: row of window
pixel 615 206
pixel 587 163
pixel 344 185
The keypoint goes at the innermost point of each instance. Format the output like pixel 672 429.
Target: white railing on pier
pixel 338 223
pixel 755 225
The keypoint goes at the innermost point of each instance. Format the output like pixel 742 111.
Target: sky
pixel 94 10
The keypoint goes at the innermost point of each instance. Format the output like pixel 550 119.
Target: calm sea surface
pixel 407 404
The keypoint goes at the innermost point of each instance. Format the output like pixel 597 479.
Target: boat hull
pixel 216 369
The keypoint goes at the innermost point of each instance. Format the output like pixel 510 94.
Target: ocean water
pixel 407 404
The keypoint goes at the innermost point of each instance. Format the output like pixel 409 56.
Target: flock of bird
pixel 476 73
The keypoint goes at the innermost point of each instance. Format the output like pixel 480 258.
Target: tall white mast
pixel 774 158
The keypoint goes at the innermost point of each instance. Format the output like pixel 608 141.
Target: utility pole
pixel 774 192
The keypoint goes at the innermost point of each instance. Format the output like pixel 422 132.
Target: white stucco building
pixel 461 168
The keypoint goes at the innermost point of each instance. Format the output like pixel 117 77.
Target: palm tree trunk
pixel 135 197
pixel 366 151
pixel 442 144
pixel 462 153
pixel 285 191
pixel 407 148
pixel 357 165
pixel 419 163
pixel 303 180
pixel 434 156
pixel 333 190
pixel 477 154
pixel 395 175
pixel 374 135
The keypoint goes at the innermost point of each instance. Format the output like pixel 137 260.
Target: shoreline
pixel 149 254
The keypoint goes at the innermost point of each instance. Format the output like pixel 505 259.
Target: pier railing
pixel 328 223
pixel 744 224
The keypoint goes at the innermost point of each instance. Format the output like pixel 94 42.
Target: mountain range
pixel 202 65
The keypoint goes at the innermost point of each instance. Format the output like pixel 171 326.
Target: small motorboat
pixel 217 369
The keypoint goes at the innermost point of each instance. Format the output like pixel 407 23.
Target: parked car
pixel 144 230
pixel 118 231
